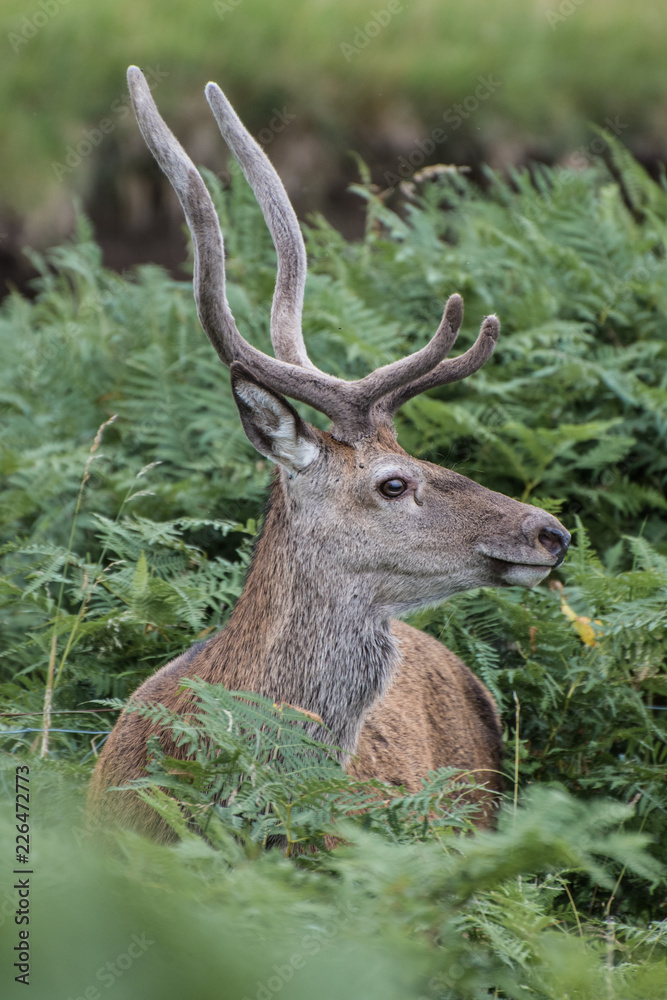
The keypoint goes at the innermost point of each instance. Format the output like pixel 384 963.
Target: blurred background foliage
pixel 378 80
pixel 130 497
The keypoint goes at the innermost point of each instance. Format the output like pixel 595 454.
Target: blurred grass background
pixel 556 65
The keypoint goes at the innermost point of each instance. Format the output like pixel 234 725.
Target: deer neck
pixel 304 633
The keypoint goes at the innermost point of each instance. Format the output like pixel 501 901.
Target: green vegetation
pixel 553 72
pixel 125 539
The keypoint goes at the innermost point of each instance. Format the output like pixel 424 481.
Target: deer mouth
pixel 522 572
pixel 536 563
pixel 548 553
pixel 527 563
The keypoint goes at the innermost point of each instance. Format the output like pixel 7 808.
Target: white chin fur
pixel 525 576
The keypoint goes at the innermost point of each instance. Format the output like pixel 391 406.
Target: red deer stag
pixel 356 531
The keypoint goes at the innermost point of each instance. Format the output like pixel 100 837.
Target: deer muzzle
pixel 539 547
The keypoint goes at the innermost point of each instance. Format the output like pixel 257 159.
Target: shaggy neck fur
pixel 303 633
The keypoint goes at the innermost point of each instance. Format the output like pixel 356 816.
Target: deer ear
pixel 272 424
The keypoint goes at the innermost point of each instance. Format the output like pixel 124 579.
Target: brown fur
pixel 436 713
pixel 311 627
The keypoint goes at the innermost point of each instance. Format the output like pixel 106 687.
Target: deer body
pixel 356 533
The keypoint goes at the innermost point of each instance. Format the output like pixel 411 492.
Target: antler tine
pixel 402 373
pixel 209 277
pixel 451 370
pixel 286 334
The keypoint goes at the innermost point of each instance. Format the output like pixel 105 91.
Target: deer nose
pixel 542 529
pixel 555 541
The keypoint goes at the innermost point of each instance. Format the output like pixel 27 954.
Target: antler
pixel 451 370
pixel 283 225
pixel 350 405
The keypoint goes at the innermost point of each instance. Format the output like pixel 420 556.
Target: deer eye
pixel 393 487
